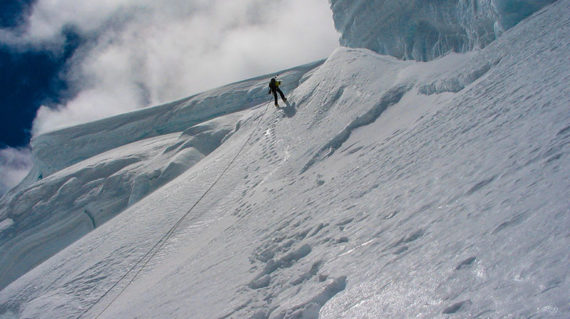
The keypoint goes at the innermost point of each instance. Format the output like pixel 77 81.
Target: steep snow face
pixel 85 175
pixel 423 30
pixel 388 188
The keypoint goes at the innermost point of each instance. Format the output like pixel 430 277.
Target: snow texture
pixel 386 189
pixel 423 30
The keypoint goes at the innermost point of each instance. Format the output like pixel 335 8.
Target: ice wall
pixel 423 30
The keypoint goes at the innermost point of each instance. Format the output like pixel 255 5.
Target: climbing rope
pixel 160 243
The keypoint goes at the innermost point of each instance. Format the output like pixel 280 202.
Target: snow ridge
pixel 389 98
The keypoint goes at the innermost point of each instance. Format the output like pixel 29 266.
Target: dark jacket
pixel 273 85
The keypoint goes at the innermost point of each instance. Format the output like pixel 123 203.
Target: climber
pixel 274 88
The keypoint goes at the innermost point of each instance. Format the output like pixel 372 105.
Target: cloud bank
pixel 14 165
pixel 146 52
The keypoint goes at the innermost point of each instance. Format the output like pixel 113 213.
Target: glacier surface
pixel 388 188
pixel 423 30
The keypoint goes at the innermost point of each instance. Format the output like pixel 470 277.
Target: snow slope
pixel 388 188
pixel 85 175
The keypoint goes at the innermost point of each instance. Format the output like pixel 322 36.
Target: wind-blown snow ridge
pixel 452 201
pixel 390 98
pixel 458 82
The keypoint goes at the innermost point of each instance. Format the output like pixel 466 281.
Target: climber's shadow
pixel 289 110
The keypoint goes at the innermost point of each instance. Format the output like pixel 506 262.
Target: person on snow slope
pixel 274 88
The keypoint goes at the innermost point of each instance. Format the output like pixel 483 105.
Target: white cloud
pixel 14 165
pixel 150 52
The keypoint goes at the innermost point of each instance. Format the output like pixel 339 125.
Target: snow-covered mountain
pixel 387 188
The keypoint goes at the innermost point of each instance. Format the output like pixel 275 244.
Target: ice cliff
pixel 422 30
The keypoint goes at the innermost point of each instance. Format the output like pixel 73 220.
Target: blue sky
pixel 29 78
pixel 68 62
